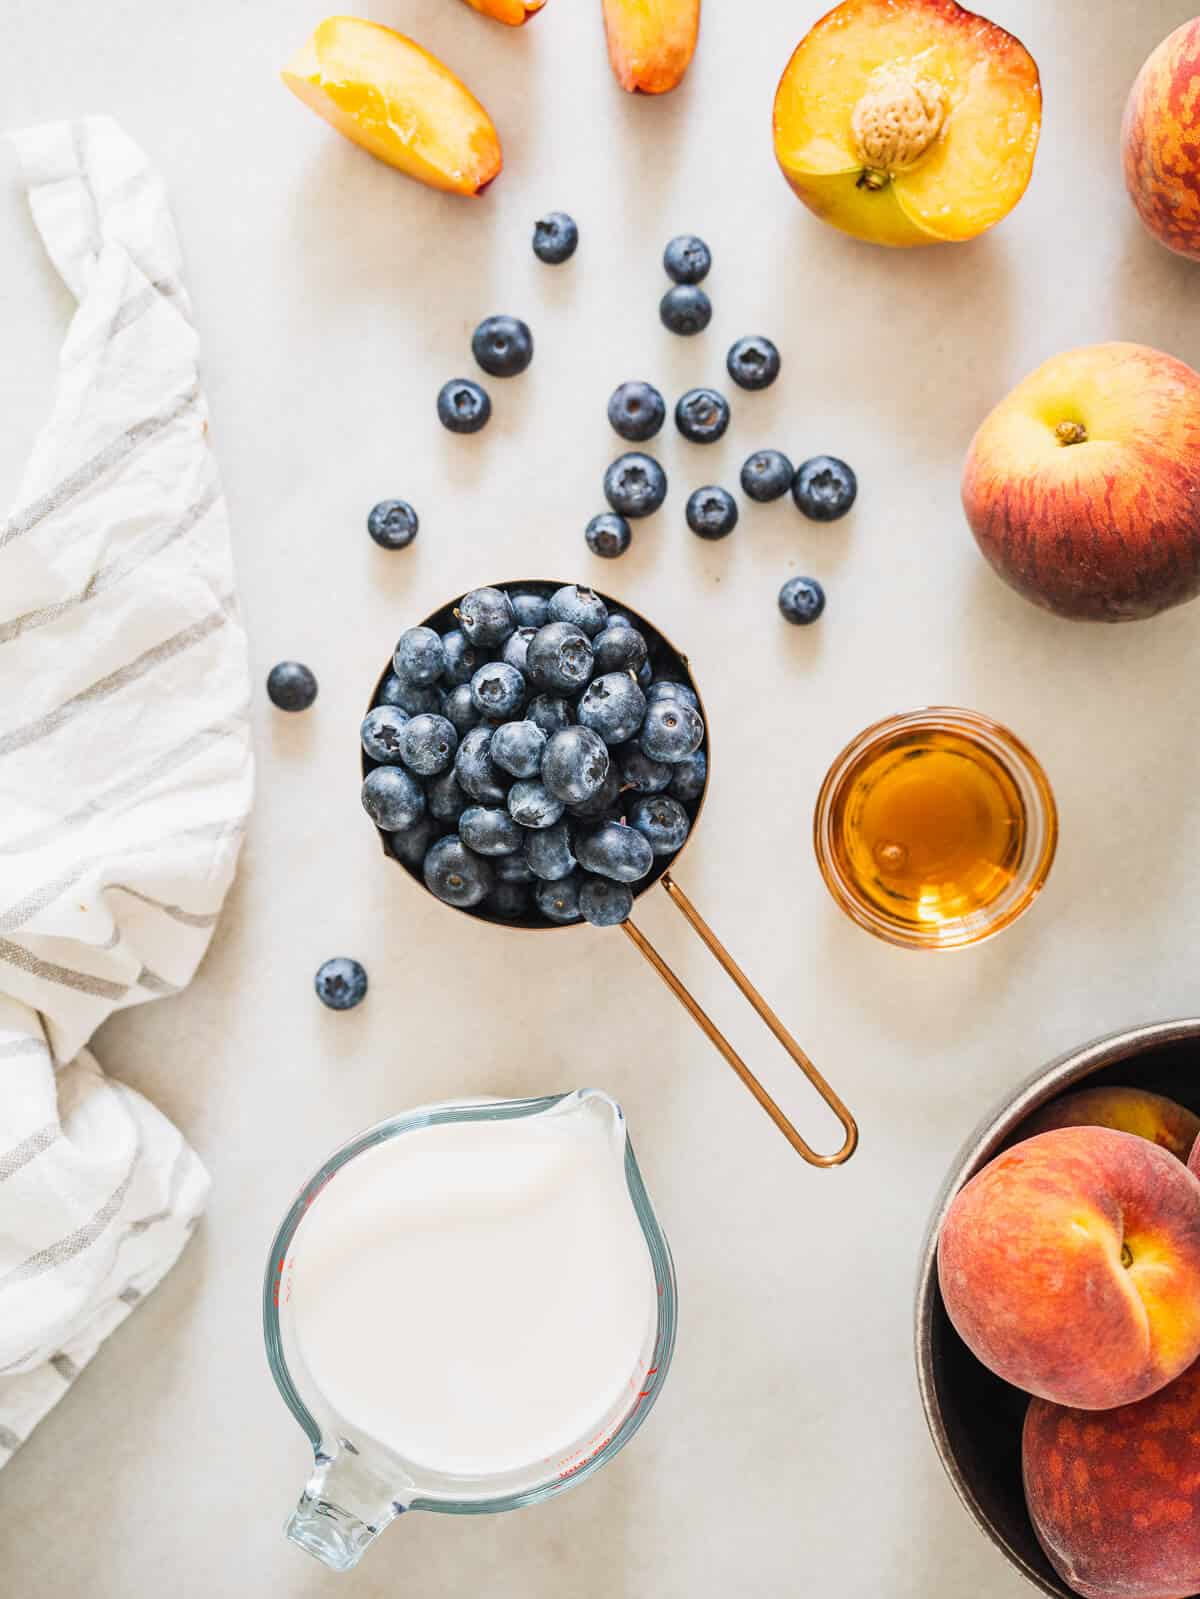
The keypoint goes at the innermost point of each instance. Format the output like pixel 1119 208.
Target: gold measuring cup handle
pixel 713 1032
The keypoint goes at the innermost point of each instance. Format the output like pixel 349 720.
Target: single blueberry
pixel 689 776
pixel 459 709
pixel 516 648
pixel 392 798
pixel 393 524
pixel 605 803
pixel 636 411
pixel 560 658
pixel 381 733
pixel 291 686
pixel 513 868
pixel 555 238
pixel 462 658
pixel 463 406
pixel 503 346
pixel 640 773
pixel 509 901
pixel 456 874
pixel 605 903
pixel 430 743
pixel 549 854
pixel 687 259
pixel 580 607
pixel 549 713
pixel 613 706
pixel 685 310
pixel 702 415
pixel 518 747
pixel 477 773
pixel 635 485
pixel 619 649
pixel 615 850
pixel 767 475
pixel 753 363
pixel 712 512
pixel 489 832
pixel 608 535
pixel 530 610
pixel 341 983
pixel 824 488
pixel 531 804
pixel 664 689
pixel 645 676
pixel 411 846
pixel 558 898
pixel 662 822
pixel 445 797
pixel 415 698
pixel 574 765
pixel 672 731
pixel 486 617
pixel 619 619
pixel 801 599
pixel 419 656
pixel 498 690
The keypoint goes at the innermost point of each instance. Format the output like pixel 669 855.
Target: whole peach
pixel 1070 1266
pixel 1160 142
pixel 1115 1498
pixel 1130 1110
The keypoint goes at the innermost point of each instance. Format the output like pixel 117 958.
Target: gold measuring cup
pixel 663 651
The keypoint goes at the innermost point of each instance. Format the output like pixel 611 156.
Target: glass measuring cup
pixel 358 1484
pixel 441 621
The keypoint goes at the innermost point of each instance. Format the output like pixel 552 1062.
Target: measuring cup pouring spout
pixel 343 1509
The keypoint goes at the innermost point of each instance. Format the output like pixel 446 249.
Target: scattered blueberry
pixel 393 524
pixel 753 363
pixel 498 690
pixel 615 850
pixel 560 658
pixel 419 656
pixel 662 822
pixel 392 798
pixel 512 869
pixel 445 797
pixel 382 731
pixel 712 512
pixel 486 616
pixel 685 310
pixel 574 764
pixel 463 406
pixel 549 713
pixel 636 411
pixel 671 732
pixel 665 689
pixel 608 535
pixel 555 238
pixel 801 599
pixel 477 773
pixel 411 846
pixel 605 903
pixel 530 610
pixel 824 488
pixel 702 415
pixel 516 648
pixel 640 773
pixel 456 874
pixel 462 658
pixel 518 747
pixel 688 777
pixel 635 485
pixel 411 697
pixel 489 831
pixel 291 686
pixel 459 709
pixel 509 900
pixel 532 805
pixel 548 852
pixel 558 899
pixel 503 346
pixel 430 745
pixel 613 706
pixel 341 983
pixel 580 607
pixel 687 259
pixel 767 475
pixel 620 648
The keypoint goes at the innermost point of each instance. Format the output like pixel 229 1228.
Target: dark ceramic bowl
pixel 974 1417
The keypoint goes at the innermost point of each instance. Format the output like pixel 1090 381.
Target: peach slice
pixel 651 42
pixel 908 122
pixel 396 100
pixel 514 12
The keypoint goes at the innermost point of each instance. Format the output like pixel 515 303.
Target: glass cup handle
pixel 711 1031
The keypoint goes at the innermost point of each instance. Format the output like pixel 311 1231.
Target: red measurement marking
pixel 651 1371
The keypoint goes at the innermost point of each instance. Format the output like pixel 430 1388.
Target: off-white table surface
pixel 787 1454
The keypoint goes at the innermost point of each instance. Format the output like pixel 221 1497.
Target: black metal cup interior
pixel 665 660
pixel 976 1418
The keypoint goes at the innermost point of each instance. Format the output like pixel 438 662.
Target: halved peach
pixel 394 99
pixel 908 121
pixel 514 12
pixel 651 42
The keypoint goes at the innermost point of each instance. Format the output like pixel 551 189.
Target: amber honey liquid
pixel 928 826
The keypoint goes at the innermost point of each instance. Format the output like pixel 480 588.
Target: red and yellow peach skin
pixel 1160 141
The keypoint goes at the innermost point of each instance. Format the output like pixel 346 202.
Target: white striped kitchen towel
pixel 125 765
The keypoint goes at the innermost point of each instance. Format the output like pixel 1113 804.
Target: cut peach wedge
pixel 397 101
pixel 908 121
pixel 514 12
pixel 651 42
